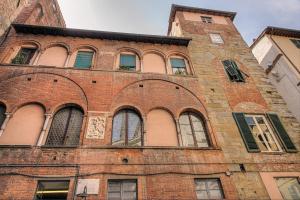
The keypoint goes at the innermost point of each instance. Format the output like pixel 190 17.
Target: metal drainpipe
pixel 76 181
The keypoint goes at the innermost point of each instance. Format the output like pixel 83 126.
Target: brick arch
pixel 50 90
pixel 158 93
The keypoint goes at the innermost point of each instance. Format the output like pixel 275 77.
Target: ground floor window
pixel 209 188
pixel 52 190
pixel 122 190
pixel 289 188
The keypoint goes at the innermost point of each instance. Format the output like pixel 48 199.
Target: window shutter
pixel 2 114
pixel 128 60
pixel 177 63
pixel 281 132
pixel 245 132
pixel 84 59
pixel 240 77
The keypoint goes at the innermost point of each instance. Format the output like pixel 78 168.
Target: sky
pixel 151 16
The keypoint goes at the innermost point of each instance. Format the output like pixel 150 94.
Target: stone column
pixel 8 116
pixel 43 132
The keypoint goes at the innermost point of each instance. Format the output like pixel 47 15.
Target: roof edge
pixel 95 34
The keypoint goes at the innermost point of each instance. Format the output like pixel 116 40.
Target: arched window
pixel 127 128
pixel 24 127
pixel 179 65
pixel 65 127
pixel 84 59
pixel 54 56
pixel 128 61
pixel 193 130
pixel 2 114
pixel 153 62
pixel 161 129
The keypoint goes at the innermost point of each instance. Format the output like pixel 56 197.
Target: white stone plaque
pixel 92 186
pixel 96 127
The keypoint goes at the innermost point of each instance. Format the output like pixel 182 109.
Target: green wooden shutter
pixel 245 132
pixel 127 62
pixel 281 132
pixel 84 59
pixel 240 77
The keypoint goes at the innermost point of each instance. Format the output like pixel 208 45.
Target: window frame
pixel 207 19
pixel 29 59
pixel 186 72
pixel 204 125
pixel 71 108
pixel 205 179
pixel 238 70
pixel 84 51
pixel 127 110
pixel 50 180
pixel 121 181
pixel 126 68
pixel 271 130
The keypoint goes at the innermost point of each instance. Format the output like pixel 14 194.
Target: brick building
pixel 37 12
pixel 103 115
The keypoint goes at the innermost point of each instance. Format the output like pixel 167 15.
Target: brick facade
pixel 161 172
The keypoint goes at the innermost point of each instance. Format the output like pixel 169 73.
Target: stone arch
pixel 154 61
pixel 55 54
pixel 161 128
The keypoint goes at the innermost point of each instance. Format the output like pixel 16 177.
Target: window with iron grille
pixel 122 190
pixel 24 56
pixel 193 131
pixel 65 128
pixel 233 72
pixel 84 59
pixel 209 188
pixel 296 43
pixel 2 114
pixel 206 19
pixel 127 128
pixel 51 189
pixel 128 62
pixel 178 66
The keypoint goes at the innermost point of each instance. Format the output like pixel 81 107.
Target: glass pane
pixel 134 129
pixel 74 127
pixel 114 196
pixel 129 186
pixel 213 184
pixel 215 194
pixel 48 190
pixel 268 137
pixel 201 139
pixel 128 61
pixel 289 188
pixel 114 186
pixel 119 128
pixel 184 119
pixel 200 185
pixel 129 196
pixel 177 63
pixel 256 133
pixel 202 194
pixel 179 71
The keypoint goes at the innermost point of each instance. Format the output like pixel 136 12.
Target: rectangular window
pixel 128 62
pixel 209 188
pixel 289 188
pixel 178 66
pixel 206 19
pixel 122 190
pixel 216 38
pixel 296 43
pixel 84 59
pixel 263 134
pixel 24 56
pixel 48 190
pixel 233 72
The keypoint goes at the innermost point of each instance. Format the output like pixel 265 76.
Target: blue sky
pixel 151 16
